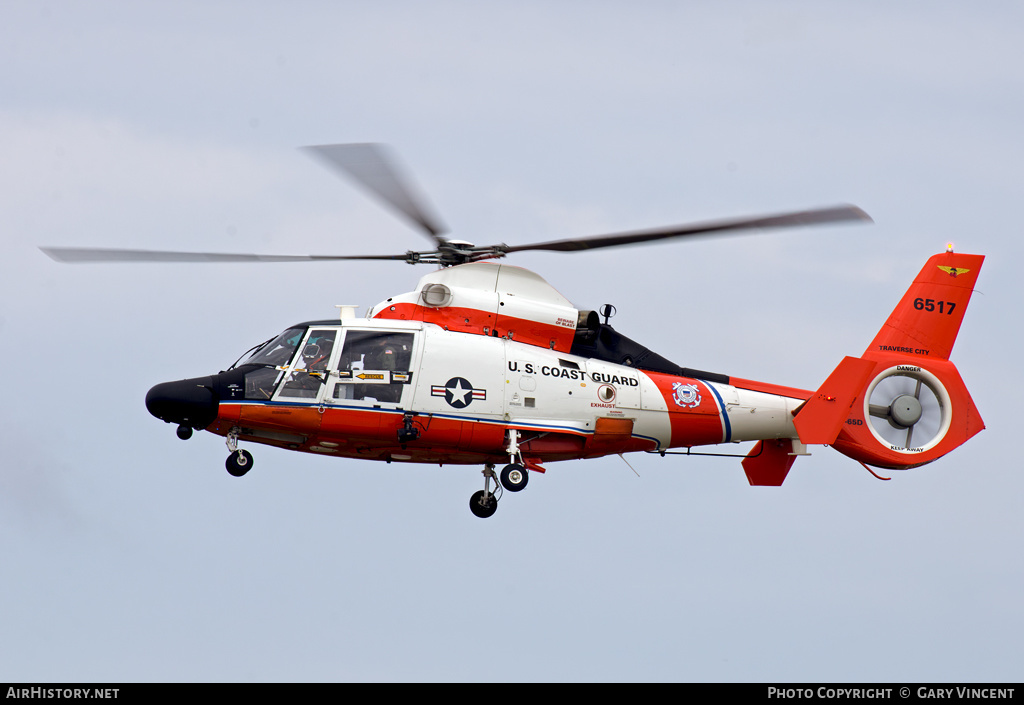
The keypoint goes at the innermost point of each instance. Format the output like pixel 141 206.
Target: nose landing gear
pixel 239 461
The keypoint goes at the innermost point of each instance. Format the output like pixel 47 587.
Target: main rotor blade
pixel 79 255
pixel 373 168
pixel 835 214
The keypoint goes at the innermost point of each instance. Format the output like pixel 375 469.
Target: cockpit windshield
pixel 278 351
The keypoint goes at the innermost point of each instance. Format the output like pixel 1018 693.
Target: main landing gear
pixel 513 478
pixel 483 503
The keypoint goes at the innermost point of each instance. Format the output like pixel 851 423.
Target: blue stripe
pixel 725 416
pixel 655 441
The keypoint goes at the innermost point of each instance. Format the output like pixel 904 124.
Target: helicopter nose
pixel 187 402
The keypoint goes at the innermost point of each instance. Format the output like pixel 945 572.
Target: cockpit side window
pixel 309 372
pixel 273 355
pixel 261 383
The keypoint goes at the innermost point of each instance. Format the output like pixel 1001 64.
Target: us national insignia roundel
pixel 458 392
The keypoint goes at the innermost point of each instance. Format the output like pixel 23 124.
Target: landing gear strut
pixel 483 503
pixel 239 461
pixel 514 476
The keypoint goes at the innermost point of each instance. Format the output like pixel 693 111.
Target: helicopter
pixel 485 363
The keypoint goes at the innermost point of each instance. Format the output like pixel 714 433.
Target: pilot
pixel 316 360
pixel 314 364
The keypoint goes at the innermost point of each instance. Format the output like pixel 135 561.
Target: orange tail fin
pixel 928 317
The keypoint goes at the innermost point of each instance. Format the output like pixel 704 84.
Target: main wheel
pixel 514 477
pixel 483 504
pixel 239 463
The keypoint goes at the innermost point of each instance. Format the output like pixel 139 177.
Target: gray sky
pixel 128 555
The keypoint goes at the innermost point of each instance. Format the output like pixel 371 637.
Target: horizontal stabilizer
pixel 821 418
pixel 769 462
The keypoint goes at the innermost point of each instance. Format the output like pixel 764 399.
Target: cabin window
pixel 374 366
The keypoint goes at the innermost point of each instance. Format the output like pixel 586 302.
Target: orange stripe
pixel 475 321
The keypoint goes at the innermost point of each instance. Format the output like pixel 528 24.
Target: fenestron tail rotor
pixel 908 409
pixel 372 167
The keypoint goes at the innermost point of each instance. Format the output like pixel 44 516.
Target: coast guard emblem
pixel 685 395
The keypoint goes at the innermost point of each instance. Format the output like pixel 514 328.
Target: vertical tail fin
pixel 928 317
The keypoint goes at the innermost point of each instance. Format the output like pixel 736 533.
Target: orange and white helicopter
pixel 486 364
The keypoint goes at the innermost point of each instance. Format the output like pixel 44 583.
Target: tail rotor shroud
pixel 908 409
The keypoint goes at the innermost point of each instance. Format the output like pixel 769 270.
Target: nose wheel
pixel 239 463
